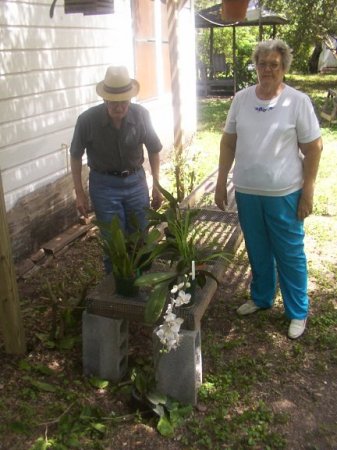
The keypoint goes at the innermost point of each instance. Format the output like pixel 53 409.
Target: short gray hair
pixel 274 45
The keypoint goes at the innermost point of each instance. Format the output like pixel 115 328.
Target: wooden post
pixel 11 325
pixel 173 7
pixel 234 60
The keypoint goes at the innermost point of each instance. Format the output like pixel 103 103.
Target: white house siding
pixel 49 68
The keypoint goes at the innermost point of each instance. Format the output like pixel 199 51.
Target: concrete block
pixel 179 372
pixel 105 346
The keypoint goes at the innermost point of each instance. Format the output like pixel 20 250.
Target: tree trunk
pixel 313 60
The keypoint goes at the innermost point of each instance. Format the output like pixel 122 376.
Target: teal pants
pixel 274 239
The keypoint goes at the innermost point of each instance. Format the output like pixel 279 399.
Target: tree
pixel 310 21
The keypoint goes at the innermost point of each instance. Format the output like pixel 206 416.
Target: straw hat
pixel 117 85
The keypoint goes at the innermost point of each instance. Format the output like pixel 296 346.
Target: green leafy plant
pixel 130 253
pixel 180 248
pixel 170 412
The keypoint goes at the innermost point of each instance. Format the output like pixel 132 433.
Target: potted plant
pixel 130 253
pixel 234 10
pixel 187 260
pixel 169 210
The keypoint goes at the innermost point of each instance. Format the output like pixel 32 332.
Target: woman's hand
pixel 306 203
pixel 220 196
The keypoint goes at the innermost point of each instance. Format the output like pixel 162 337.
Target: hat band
pixel 119 90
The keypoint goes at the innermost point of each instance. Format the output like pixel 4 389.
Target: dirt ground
pixel 302 381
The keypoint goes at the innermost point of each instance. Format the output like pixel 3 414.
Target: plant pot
pixel 191 290
pixel 234 10
pixel 126 286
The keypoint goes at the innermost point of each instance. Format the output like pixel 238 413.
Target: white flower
pixel 168 332
pixel 182 298
pixel 176 288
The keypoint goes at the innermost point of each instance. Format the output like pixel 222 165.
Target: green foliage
pixel 129 252
pixel 309 22
pixel 180 247
pixel 170 413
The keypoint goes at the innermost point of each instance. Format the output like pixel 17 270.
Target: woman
pixel 273 135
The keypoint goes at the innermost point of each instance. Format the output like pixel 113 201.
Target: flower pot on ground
pixel 130 253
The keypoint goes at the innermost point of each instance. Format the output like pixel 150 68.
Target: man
pixel 113 134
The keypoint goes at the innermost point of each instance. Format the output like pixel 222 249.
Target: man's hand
pixel 82 203
pixel 157 198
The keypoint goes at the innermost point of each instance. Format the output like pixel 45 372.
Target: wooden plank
pixel 36 148
pixel 28 14
pixel 59 242
pixel 16 132
pixel 27 173
pixel 25 84
pixel 60 59
pixel 22 108
pixel 10 315
pixel 22 38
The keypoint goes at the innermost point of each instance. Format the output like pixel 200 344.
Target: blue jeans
pixel 111 196
pixel 274 240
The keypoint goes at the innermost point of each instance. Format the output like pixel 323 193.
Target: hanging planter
pixel 234 10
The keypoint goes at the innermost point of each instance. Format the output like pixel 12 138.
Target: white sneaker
pixel 247 308
pixel 296 328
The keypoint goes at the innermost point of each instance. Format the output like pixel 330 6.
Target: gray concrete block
pixel 179 372
pixel 104 346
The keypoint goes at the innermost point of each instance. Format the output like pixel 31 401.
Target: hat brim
pixel 132 92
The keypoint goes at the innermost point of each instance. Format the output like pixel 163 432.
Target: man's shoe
pixel 296 328
pixel 247 308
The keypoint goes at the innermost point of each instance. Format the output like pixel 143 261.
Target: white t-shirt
pixel 267 157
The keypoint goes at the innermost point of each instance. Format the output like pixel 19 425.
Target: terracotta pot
pixel 234 10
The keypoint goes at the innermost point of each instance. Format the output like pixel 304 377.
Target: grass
pixel 235 417
pixel 249 365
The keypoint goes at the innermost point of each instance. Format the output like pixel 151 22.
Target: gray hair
pixel 274 45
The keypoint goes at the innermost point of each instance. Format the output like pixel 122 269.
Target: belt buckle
pixel 125 173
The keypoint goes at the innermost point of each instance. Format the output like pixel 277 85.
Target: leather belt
pixel 115 173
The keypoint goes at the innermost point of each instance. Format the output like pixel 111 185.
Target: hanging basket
pixel 234 10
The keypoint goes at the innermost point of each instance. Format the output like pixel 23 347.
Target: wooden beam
pixel 173 7
pixel 11 325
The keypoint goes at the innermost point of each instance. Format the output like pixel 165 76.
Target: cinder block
pixel 179 372
pixel 105 346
